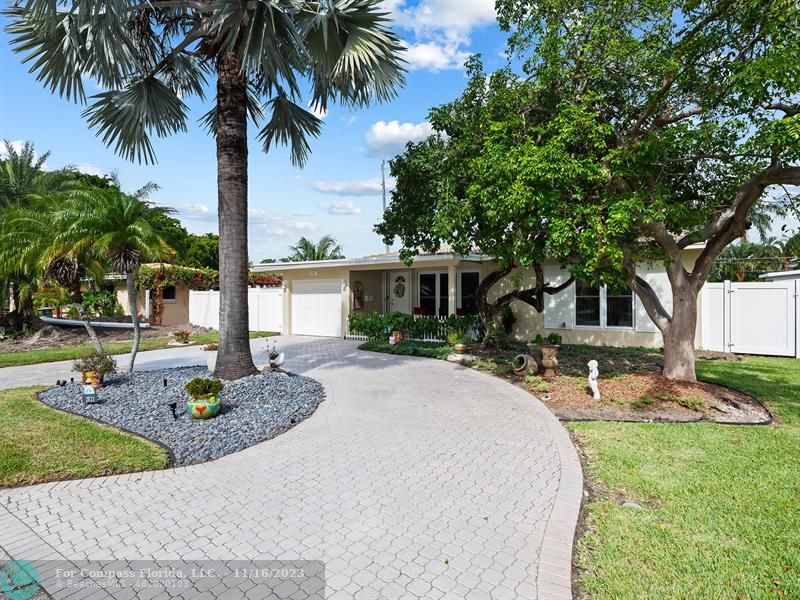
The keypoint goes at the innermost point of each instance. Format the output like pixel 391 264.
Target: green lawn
pixel 721 503
pixel 45 355
pixel 38 443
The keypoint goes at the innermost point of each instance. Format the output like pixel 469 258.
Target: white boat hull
pixel 98 324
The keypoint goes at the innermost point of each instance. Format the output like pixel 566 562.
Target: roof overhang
pixel 366 261
pixel 778 275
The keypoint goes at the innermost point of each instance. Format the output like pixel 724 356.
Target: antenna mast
pixel 383 192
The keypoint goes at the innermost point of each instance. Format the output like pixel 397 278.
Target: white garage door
pixel 317 307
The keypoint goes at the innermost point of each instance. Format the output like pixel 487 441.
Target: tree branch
pixel 732 222
pixel 646 293
pixel 790 110
pixel 669 120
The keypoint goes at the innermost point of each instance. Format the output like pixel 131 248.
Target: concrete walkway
pixel 414 479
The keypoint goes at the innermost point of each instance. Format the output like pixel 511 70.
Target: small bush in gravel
pixel 204 388
pixel 182 335
pixel 96 361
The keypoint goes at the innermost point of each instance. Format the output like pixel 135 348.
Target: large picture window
pixel 599 306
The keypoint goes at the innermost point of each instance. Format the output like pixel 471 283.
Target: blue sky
pixel 338 190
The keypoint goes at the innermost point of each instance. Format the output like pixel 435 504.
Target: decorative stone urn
pixel 549 360
pixel 204 407
pixel 523 363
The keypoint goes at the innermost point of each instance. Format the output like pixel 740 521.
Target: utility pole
pixel 383 191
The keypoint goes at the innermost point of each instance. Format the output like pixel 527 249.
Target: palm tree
pixel 33 252
pixel 325 249
pixel 150 56
pixel 120 227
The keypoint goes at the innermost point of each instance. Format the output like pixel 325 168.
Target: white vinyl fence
pixel 265 304
pixel 751 317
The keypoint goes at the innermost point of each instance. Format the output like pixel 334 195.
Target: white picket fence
pixel 751 318
pixel 440 335
pixel 265 309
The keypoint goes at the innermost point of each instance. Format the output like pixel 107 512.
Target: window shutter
pixel 656 275
pixel 559 309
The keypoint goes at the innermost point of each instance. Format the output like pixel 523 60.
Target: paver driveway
pixel 414 479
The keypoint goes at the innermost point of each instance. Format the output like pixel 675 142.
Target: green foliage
pixel 151 278
pixel 373 325
pixel 408 348
pixel 745 261
pixel 54 297
pixel 327 248
pixel 553 339
pixel 536 384
pixel 96 361
pixel 201 387
pixel 202 251
pixel 101 302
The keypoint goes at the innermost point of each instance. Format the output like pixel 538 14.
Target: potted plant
pixel 549 352
pixel 458 342
pixel 94 367
pixel 211 355
pixel 275 358
pixel 205 402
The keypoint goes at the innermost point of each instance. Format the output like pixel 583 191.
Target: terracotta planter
pixel 204 407
pixel 398 335
pixel 211 359
pixel 459 347
pixel 93 378
pixel 523 363
pixel 549 359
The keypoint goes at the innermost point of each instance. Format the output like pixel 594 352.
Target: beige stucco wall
pixel 175 312
pixel 372 283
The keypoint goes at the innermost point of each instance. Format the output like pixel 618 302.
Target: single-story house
pixel 320 295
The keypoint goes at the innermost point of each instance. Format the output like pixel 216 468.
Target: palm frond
pixel 125 118
pixel 290 125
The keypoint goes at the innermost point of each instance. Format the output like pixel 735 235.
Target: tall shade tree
pixel 327 248
pixel 151 56
pixel 446 193
pixel 121 228
pixel 649 126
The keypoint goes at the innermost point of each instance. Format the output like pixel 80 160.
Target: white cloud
pixel 341 207
pixel 434 56
pixel 88 169
pixel 389 139
pixel 358 187
pixel 441 30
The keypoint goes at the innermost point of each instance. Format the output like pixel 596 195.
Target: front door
pixel 400 291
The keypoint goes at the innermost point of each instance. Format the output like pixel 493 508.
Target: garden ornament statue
pixel 594 373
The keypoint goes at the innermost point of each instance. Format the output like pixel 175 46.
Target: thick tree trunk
pixel 76 297
pixel 679 335
pixel 234 359
pixel 132 304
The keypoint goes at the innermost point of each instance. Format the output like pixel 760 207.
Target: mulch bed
pixel 651 397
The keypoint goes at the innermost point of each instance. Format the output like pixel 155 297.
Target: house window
pixel 433 292
pixel 600 306
pixel 169 293
pixel 619 307
pixel 468 292
pixel 587 304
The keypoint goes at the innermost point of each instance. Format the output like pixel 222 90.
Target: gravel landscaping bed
pixel 255 409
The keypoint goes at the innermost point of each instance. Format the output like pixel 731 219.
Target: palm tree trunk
pixel 76 297
pixel 132 304
pixel 234 359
